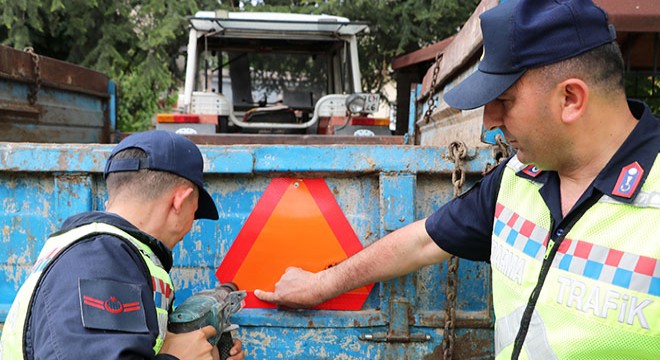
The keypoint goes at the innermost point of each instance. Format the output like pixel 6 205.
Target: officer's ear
pixel 574 97
pixel 179 196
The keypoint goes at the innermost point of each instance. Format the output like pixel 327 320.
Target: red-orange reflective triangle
pixel 297 222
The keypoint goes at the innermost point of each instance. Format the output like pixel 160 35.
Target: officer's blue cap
pixel 166 151
pixel 523 34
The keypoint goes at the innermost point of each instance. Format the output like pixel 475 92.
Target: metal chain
pixel 458 152
pixel 431 101
pixel 499 154
pixel 32 96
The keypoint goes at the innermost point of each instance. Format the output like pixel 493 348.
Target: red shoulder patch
pixel 628 181
pixel 531 170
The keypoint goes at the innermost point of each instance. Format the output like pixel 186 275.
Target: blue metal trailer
pixel 54 120
pixel 378 187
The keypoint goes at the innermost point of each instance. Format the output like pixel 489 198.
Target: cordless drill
pixel 210 307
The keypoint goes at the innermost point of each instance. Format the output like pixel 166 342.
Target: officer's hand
pixel 236 352
pixel 192 345
pixel 296 289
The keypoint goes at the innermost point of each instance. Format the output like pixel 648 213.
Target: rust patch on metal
pixel 468 345
pixel 18 65
pixel 370 161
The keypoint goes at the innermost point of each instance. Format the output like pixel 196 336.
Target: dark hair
pixel 144 184
pixel 601 68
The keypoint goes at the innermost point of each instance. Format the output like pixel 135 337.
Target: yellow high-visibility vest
pixel 13 332
pixel 601 296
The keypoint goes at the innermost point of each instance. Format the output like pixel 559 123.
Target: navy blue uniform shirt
pixel 62 326
pixel 463 227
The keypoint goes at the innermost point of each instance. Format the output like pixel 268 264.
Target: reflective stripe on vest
pixel 506 329
pixel 601 298
pixel 13 332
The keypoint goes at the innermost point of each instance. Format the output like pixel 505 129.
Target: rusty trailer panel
pixel 47 100
pixel 378 188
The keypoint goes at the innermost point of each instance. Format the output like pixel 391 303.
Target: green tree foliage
pixel 136 42
pixel 396 27
pixel 645 87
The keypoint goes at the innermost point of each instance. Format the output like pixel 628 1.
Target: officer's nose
pixel 493 115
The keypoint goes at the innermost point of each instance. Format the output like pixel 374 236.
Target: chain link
pixel 499 154
pixel 32 96
pixel 452 279
pixel 458 152
pixel 431 101
pixel 504 149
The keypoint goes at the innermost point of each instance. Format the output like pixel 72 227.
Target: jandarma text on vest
pixel 511 264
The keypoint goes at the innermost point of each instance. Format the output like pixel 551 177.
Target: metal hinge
pixel 399 331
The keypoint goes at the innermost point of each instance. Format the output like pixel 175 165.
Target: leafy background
pixel 137 43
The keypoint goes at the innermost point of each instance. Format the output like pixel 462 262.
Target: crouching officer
pixel 100 288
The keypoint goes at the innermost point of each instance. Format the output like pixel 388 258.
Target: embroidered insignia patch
pixel 111 305
pixel 628 181
pixel 532 170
